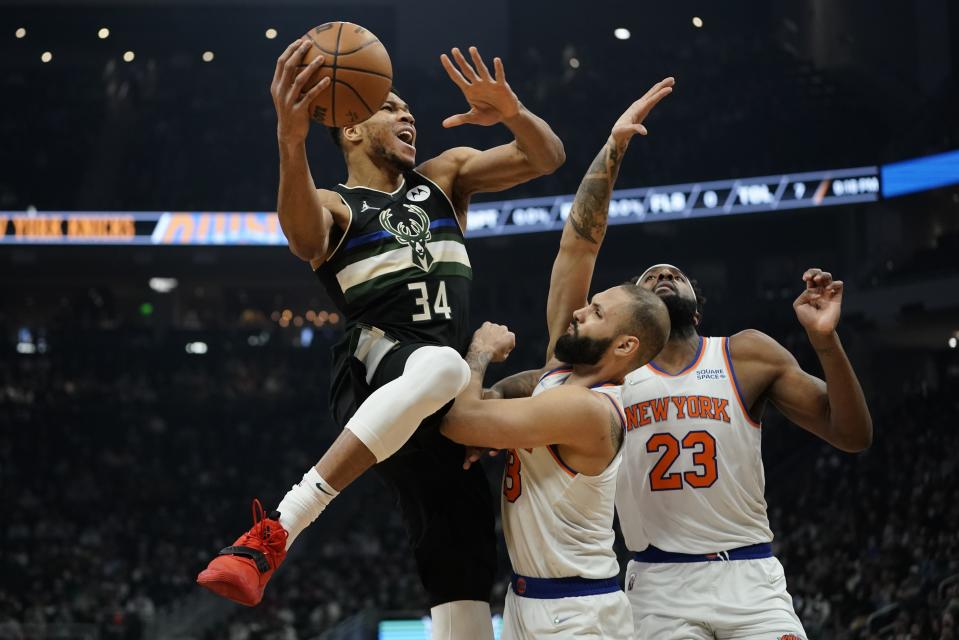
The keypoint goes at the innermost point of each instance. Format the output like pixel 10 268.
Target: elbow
pixel 555 160
pixel 306 251
pixel 860 440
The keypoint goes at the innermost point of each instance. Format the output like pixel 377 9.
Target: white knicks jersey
pixel 692 479
pixel 559 523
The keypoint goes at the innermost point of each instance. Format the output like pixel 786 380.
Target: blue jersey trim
pixel 689 366
pixel 379 235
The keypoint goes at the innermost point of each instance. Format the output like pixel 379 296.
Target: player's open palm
pixel 819 306
pixel 489 96
pixel 631 122
pixel 291 102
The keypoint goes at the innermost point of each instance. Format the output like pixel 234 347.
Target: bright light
pixel 103 33
pixel 953 342
pixel 196 348
pixel 207 56
pixel 621 33
pixel 574 63
pixel 46 56
pixel 306 337
pixel 697 22
pixel 20 33
pixel 163 285
pixel 26 347
pixel 270 33
pixel 128 56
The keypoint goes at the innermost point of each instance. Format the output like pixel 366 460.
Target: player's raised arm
pixel 305 220
pixel 585 226
pixel 534 152
pixel 834 409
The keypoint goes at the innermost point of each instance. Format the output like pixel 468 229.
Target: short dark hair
pixel 648 320
pixel 700 298
pixel 336 133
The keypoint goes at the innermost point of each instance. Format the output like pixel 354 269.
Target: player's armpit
pixel 568 415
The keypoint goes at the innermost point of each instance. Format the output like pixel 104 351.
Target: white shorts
pixel 604 616
pixel 733 600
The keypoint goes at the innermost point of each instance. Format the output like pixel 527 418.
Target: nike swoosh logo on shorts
pixel 562 620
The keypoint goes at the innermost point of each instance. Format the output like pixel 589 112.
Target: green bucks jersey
pixel 401 264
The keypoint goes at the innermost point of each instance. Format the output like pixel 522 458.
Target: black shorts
pixel 448 512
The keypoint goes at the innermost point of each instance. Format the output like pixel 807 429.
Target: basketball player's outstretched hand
pixel 818 307
pixel 631 122
pixel 494 339
pixel 291 102
pixel 489 97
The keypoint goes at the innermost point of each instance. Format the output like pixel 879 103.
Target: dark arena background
pixel 164 357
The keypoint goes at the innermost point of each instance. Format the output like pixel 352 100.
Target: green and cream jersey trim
pixel 394 242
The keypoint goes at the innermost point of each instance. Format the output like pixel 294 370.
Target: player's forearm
pixel 304 220
pixel 459 424
pixel 536 141
pixel 849 418
pixel 589 214
pixel 518 385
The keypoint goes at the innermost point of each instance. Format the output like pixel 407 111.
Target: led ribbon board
pixel 629 206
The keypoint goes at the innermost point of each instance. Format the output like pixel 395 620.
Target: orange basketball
pixel 359 69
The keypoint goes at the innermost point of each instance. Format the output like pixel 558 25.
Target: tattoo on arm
pixel 478 361
pixel 519 385
pixel 591 205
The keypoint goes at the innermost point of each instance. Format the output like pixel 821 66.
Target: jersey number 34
pixel 440 306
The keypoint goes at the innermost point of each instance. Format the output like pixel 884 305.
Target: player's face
pixel 666 280
pixel 673 288
pixel 593 328
pixel 391 132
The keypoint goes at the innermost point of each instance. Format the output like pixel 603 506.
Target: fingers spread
pixel 498 70
pixel 464 66
pixel 457 120
pixel 453 72
pixel 308 97
pixel 480 65
pixel 305 74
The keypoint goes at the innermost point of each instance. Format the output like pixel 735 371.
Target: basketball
pixel 359 69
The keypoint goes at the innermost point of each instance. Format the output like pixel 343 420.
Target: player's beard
pixel 682 315
pixel 576 349
pixel 395 161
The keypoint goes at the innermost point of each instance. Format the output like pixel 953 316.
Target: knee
pixel 441 370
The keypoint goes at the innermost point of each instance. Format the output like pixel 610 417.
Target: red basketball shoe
pixel 241 571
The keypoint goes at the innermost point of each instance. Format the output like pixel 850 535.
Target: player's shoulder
pixel 754 345
pixel 330 199
pixel 446 165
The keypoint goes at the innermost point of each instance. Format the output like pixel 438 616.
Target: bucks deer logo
pixel 411 228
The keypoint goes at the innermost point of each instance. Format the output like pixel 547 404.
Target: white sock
pixel 461 619
pixel 303 503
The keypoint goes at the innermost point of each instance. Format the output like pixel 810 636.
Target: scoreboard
pixel 693 200
pixel 767 194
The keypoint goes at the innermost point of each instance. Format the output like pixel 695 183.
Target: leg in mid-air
pixel 430 379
